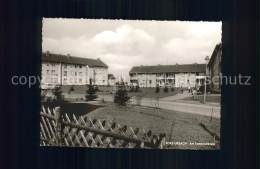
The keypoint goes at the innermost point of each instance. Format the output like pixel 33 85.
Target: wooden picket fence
pixel 60 130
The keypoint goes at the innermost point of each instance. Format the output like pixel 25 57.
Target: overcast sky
pixel 122 44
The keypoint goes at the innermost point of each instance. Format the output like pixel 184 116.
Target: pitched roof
pixel 218 47
pixel 169 68
pixel 50 57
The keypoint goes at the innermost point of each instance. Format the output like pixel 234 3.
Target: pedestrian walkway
pixel 178 96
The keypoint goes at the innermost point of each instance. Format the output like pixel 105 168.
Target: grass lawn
pixel 150 92
pixel 179 127
pixel 104 90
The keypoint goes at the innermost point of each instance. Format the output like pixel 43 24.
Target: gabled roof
pixel 169 68
pixel 50 57
pixel 218 48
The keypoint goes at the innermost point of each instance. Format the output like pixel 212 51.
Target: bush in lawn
pixel 71 89
pixel 91 93
pixel 57 92
pixel 121 96
pixel 137 88
pixel 172 89
pixel 157 89
pixel 166 89
pixel 132 89
pixel 49 99
pixel 43 95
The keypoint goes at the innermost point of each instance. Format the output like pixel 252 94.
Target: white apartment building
pixel 70 70
pixel 192 75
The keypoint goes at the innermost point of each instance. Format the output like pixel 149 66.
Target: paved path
pixel 178 96
pixel 170 104
pixel 206 110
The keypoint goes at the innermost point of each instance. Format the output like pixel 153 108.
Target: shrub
pixel 49 99
pixel 201 89
pixel 132 89
pixel 57 92
pixel 137 88
pixel 43 95
pixel 121 96
pixel 172 89
pixel 91 93
pixel 71 88
pixel 157 89
pixel 166 89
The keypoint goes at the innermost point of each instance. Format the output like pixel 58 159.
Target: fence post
pixel 58 126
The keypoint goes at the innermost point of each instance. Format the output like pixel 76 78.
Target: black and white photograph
pixel 131 84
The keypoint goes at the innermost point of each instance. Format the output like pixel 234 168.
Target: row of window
pixel 51 80
pixel 50 64
pixel 167 74
pixel 52 72
pixel 65 66
pixel 65 80
pixel 72 73
pixel 73 66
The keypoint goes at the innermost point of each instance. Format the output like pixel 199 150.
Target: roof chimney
pixel 47 53
pixel 176 64
pixel 68 56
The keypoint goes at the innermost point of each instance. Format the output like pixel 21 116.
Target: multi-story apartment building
pixel 70 70
pixel 214 66
pixel 168 75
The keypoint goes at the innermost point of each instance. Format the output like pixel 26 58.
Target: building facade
pixel 188 75
pixel 69 70
pixel 214 67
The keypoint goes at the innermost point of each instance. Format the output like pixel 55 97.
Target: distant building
pixel 70 70
pixel 214 67
pixel 186 75
pixel 111 80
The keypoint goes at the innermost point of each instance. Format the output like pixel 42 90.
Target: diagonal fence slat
pixel 88 132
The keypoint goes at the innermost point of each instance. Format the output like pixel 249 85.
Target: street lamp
pixel 205 84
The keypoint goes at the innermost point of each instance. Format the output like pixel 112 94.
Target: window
pixel 65 66
pixel 150 81
pixel 52 64
pixel 65 81
pixel 47 64
pixel 76 66
pixel 53 72
pixel 48 72
pixel 80 80
pixel 76 73
pixel 65 73
pixel 47 80
pixel 54 80
pixel 80 73
pixel 79 66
